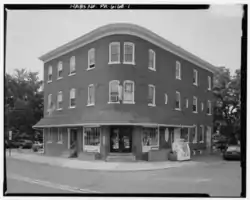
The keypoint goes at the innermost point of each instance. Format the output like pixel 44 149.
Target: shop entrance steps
pixel 121 157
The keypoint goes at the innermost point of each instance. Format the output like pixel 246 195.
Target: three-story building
pixel 123 89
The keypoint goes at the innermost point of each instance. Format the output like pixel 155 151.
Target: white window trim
pixel 154 67
pixel 57 103
pixel 133 100
pixel 209 83
pixel 152 104
pixel 70 98
pixel 179 75
pixel 49 134
pixel 177 92
pixel 202 106
pixel 58 133
pixel 119 60
pixel 70 72
pixel 186 103
pixel 110 82
pixel 194 97
pixel 202 133
pixel 148 148
pixel 133 55
pixel 196 77
pixel 195 138
pixel 89 52
pixel 50 67
pixel 91 104
pixel 210 110
pixel 60 62
pixel 166 98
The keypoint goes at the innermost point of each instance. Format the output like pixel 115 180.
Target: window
pixel 91 95
pixel 195 104
pixel 91 59
pixel 209 107
pixel 178 70
pixel 177 100
pixel 50 139
pixel 195 77
pixel 194 134
pixel 129 53
pixel 201 135
pixel 72 100
pixel 50 74
pixel 209 82
pixel 166 99
pixel 151 64
pixel 185 134
pixel 92 139
pixel 59 100
pixel 128 92
pixel 202 106
pixel 114 91
pixel 49 101
pixel 72 69
pixel 151 95
pixel 114 53
pixel 150 138
pixel 60 135
pixel 59 70
pixel 186 102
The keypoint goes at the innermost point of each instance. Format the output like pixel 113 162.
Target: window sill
pixel 209 89
pixel 71 107
pixel 129 63
pixel 195 84
pixel 113 102
pixel 195 112
pixel 114 63
pixel 49 81
pixel 88 69
pixel 177 109
pixel 49 141
pixel 59 109
pixel 128 102
pixel 90 104
pixel 72 74
pixel 152 105
pixel 60 142
pixel 59 78
pixel 178 78
pixel 201 142
pixel 209 114
pixel 152 69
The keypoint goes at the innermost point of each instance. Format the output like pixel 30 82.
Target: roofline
pixel 130 29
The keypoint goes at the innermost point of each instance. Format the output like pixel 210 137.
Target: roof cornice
pixel 129 29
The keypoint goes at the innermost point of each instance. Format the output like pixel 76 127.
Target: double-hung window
pixel 177 100
pixel 209 107
pixel 60 135
pixel 128 92
pixel 151 95
pixel 49 74
pixel 129 53
pixel 209 79
pixel 178 70
pixel 91 58
pixel 72 98
pixel 195 109
pixel 114 91
pixel 59 70
pixel 59 100
pixel 151 63
pixel 91 95
pixel 92 139
pixel 72 68
pixel 195 77
pixel 49 101
pixel 201 135
pixel 114 53
pixel 150 138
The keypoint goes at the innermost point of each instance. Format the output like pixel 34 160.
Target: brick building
pixel 123 90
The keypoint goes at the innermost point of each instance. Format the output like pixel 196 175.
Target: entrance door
pixel 121 139
pixel 73 138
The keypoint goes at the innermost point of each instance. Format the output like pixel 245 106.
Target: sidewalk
pixel 98 165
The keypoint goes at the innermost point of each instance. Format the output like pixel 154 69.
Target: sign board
pixel 154 148
pixel 10 135
pixel 182 149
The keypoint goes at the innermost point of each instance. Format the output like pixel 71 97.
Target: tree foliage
pixel 23 101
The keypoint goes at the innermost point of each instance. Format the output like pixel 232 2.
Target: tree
pixel 227 91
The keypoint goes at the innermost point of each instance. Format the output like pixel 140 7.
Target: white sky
pixel 214 35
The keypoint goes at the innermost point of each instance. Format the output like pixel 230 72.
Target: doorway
pixel 121 139
pixel 72 138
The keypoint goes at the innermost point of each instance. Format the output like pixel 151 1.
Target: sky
pixel 213 35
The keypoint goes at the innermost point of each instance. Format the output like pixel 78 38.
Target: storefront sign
pixel 92 148
pixel 182 149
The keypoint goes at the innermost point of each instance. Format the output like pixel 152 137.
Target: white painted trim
pixel 71 90
pixel 92 50
pixel 152 104
pixel 133 88
pixel 209 83
pixel 119 54
pixel 58 65
pixel 93 103
pixel 72 58
pixel 209 105
pixel 196 77
pixel 177 92
pixel 72 74
pixel 57 102
pixel 196 111
pixel 133 55
pixel 177 63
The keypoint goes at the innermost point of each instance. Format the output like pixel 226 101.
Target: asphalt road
pixel 215 180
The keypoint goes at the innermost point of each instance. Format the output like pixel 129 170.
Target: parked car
pixel 26 144
pixel 232 152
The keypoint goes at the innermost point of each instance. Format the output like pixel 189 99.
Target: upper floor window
pixel 49 101
pixel 129 53
pixel 91 95
pixel 178 70
pixel 178 100
pixel 151 95
pixel 59 100
pixel 59 70
pixel 114 91
pixel 128 91
pixel 114 53
pixel 186 102
pixel 195 104
pixel 195 77
pixel 72 98
pixel 91 58
pixel 72 68
pixel 166 99
pixel 209 82
pixel 151 63
pixel 201 135
pixel 50 74
pixel 209 107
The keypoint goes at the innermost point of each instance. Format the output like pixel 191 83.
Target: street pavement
pixel 222 179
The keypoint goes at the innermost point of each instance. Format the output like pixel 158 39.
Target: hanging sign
pixel 166 134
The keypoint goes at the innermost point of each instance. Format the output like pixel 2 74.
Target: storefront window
pixel 184 134
pixel 150 138
pixel 92 139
